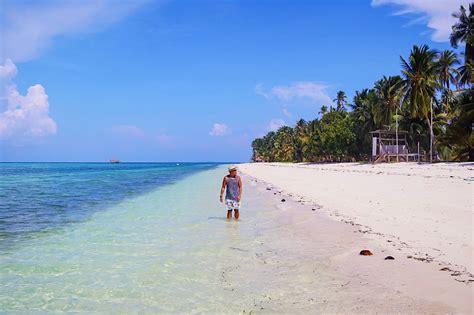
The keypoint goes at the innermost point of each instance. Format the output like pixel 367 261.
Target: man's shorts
pixel 232 204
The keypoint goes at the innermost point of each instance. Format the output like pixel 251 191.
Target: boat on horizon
pixel 114 161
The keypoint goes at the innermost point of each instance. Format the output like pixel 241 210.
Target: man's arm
pixel 224 183
pixel 240 188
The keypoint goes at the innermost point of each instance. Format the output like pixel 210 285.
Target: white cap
pixel 232 167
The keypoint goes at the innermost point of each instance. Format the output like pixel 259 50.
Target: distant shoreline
pixel 122 162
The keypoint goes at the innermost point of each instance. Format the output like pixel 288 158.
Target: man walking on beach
pixel 232 184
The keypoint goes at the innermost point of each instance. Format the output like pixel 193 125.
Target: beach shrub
pixel 337 137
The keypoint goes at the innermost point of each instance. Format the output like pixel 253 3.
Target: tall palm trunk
pixel 469 53
pixel 469 59
pixel 430 124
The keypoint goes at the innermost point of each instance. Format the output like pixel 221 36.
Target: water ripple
pixel 42 197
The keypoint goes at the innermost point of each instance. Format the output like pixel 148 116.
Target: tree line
pixel 432 99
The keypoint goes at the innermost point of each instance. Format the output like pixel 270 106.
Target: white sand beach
pixel 420 214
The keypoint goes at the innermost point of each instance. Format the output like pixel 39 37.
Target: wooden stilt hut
pixel 391 145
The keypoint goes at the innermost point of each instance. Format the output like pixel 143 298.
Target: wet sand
pixel 412 282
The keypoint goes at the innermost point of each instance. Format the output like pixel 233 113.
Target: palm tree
pixel 447 72
pixel 323 110
pixel 418 131
pixel 301 138
pixel 459 138
pixel 257 149
pixel 363 113
pixel 420 84
pixel 463 31
pixel 447 75
pixel 263 148
pixel 389 95
pixel 341 101
pixel 312 149
pixel 464 75
pixel 446 100
pixel 284 145
pixel 364 108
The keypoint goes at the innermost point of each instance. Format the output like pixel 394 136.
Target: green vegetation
pixel 433 100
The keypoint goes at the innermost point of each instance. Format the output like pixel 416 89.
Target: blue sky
pixel 190 80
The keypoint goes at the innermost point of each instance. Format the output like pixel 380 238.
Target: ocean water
pixel 39 198
pixel 153 238
pixel 113 237
pixel 143 238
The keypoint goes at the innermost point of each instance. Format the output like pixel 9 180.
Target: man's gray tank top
pixel 232 189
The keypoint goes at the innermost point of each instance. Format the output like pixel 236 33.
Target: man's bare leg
pixel 229 214
pixel 236 214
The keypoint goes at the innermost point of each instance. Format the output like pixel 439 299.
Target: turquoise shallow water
pixel 39 198
pixel 165 250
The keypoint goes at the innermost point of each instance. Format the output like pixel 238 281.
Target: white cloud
pixel 219 129
pixel 312 91
pixel 276 124
pixel 286 113
pixel 436 13
pixel 128 130
pixel 8 70
pixel 28 28
pixel 24 117
pixel 261 91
